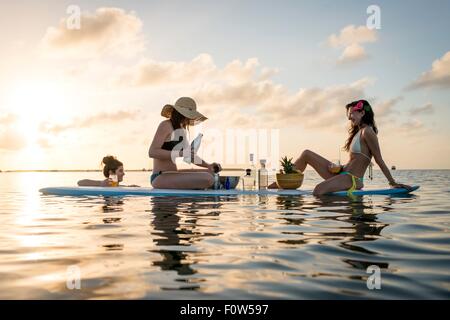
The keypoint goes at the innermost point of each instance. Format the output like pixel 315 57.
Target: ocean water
pixel 244 247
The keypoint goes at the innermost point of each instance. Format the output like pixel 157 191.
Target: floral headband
pixel 360 106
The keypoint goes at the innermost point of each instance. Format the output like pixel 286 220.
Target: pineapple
pixel 288 166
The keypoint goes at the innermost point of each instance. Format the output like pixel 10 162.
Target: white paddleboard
pixel 125 191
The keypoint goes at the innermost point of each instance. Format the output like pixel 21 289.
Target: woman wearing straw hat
pixel 170 142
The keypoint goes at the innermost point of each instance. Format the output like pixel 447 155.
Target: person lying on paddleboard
pixel 113 172
pixel 170 142
pixel 362 144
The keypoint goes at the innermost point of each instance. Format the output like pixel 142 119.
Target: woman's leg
pixel 193 170
pixel 319 163
pixel 192 180
pixel 341 182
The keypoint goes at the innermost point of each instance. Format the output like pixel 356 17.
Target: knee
pixel 155 184
pixel 306 153
pixel 319 190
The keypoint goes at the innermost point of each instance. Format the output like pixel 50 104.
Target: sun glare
pixel 38 101
pixel 35 103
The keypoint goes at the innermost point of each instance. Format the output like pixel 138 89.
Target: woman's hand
pixel 106 183
pixel 334 168
pixel 213 166
pixel 400 186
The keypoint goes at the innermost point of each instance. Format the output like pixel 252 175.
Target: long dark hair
pixel 368 119
pixel 111 164
pixel 178 120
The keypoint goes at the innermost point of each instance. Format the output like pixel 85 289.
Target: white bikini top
pixel 355 146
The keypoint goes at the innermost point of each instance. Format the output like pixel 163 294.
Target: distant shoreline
pixel 150 170
pixel 99 170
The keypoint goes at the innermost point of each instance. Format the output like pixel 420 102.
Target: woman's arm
pixel 100 183
pixel 155 151
pixel 203 164
pixel 93 183
pixel 371 139
pixel 195 159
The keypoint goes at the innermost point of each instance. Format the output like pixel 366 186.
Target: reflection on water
pixel 170 233
pixel 223 247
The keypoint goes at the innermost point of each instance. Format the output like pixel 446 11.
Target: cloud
pixel 8 119
pixel 438 76
pixel 243 93
pixel 385 108
pixel 44 143
pixel 385 114
pixel 350 35
pixel 151 72
pixel 262 103
pixel 316 107
pixel 350 38
pixel 11 139
pixel 411 126
pixel 199 70
pixel 352 53
pixel 426 109
pixel 107 31
pixel 95 120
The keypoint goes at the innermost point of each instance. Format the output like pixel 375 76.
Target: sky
pixel 71 94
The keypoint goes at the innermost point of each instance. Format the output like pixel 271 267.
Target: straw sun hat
pixel 187 107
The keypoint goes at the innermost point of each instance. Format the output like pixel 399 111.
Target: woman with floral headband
pixel 362 144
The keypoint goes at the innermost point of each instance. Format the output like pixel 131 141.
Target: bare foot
pixel 273 185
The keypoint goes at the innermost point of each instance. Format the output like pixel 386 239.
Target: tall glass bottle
pixel 253 170
pixel 263 176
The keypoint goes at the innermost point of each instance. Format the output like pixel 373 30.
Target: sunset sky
pixel 69 97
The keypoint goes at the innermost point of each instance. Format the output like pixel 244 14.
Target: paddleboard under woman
pixel 362 144
pixel 170 135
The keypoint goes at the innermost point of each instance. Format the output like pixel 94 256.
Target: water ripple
pixel 250 247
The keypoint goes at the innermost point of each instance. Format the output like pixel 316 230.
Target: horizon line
pixel 150 169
